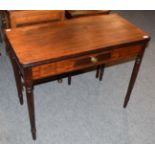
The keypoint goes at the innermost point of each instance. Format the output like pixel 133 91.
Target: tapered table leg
pixel 30 103
pixel 133 77
pixel 18 81
pixel 101 72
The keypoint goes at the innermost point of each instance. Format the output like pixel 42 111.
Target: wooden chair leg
pixel 69 79
pixel 101 72
pixel 97 71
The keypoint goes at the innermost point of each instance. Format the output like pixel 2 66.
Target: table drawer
pixel 84 61
pixel 69 65
pixel 92 59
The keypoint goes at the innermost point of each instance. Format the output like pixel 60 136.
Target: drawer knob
pixel 94 60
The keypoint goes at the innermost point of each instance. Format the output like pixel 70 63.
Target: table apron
pixel 82 62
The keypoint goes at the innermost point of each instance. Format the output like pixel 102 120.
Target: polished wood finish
pixel 81 13
pixel 68 65
pixel 81 62
pixel 61 40
pixel 52 50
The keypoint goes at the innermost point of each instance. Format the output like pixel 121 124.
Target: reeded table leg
pixel 133 77
pixel 30 103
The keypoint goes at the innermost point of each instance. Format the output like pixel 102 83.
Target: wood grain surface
pixel 52 42
pixel 82 62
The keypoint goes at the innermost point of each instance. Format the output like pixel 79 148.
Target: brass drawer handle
pixel 94 60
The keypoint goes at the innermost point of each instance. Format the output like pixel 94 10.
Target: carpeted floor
pixel 88 111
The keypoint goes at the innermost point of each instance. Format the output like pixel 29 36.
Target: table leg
pixel 30 103
pixel 133 77
pixel 18 81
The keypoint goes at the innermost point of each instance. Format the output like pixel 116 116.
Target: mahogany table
pixel 46 51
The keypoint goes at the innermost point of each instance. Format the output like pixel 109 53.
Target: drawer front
pixel 69 65
pixel 92 59
pixel 51 69
pixel 20 18
pixel 84 62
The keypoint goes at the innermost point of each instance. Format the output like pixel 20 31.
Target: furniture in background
pixel 18 18
pixel 31 17
pixel 82 13
pixel 105 40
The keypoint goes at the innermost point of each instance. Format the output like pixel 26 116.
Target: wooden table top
pixel 51 42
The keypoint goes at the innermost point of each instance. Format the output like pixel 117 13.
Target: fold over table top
pixel 60 40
